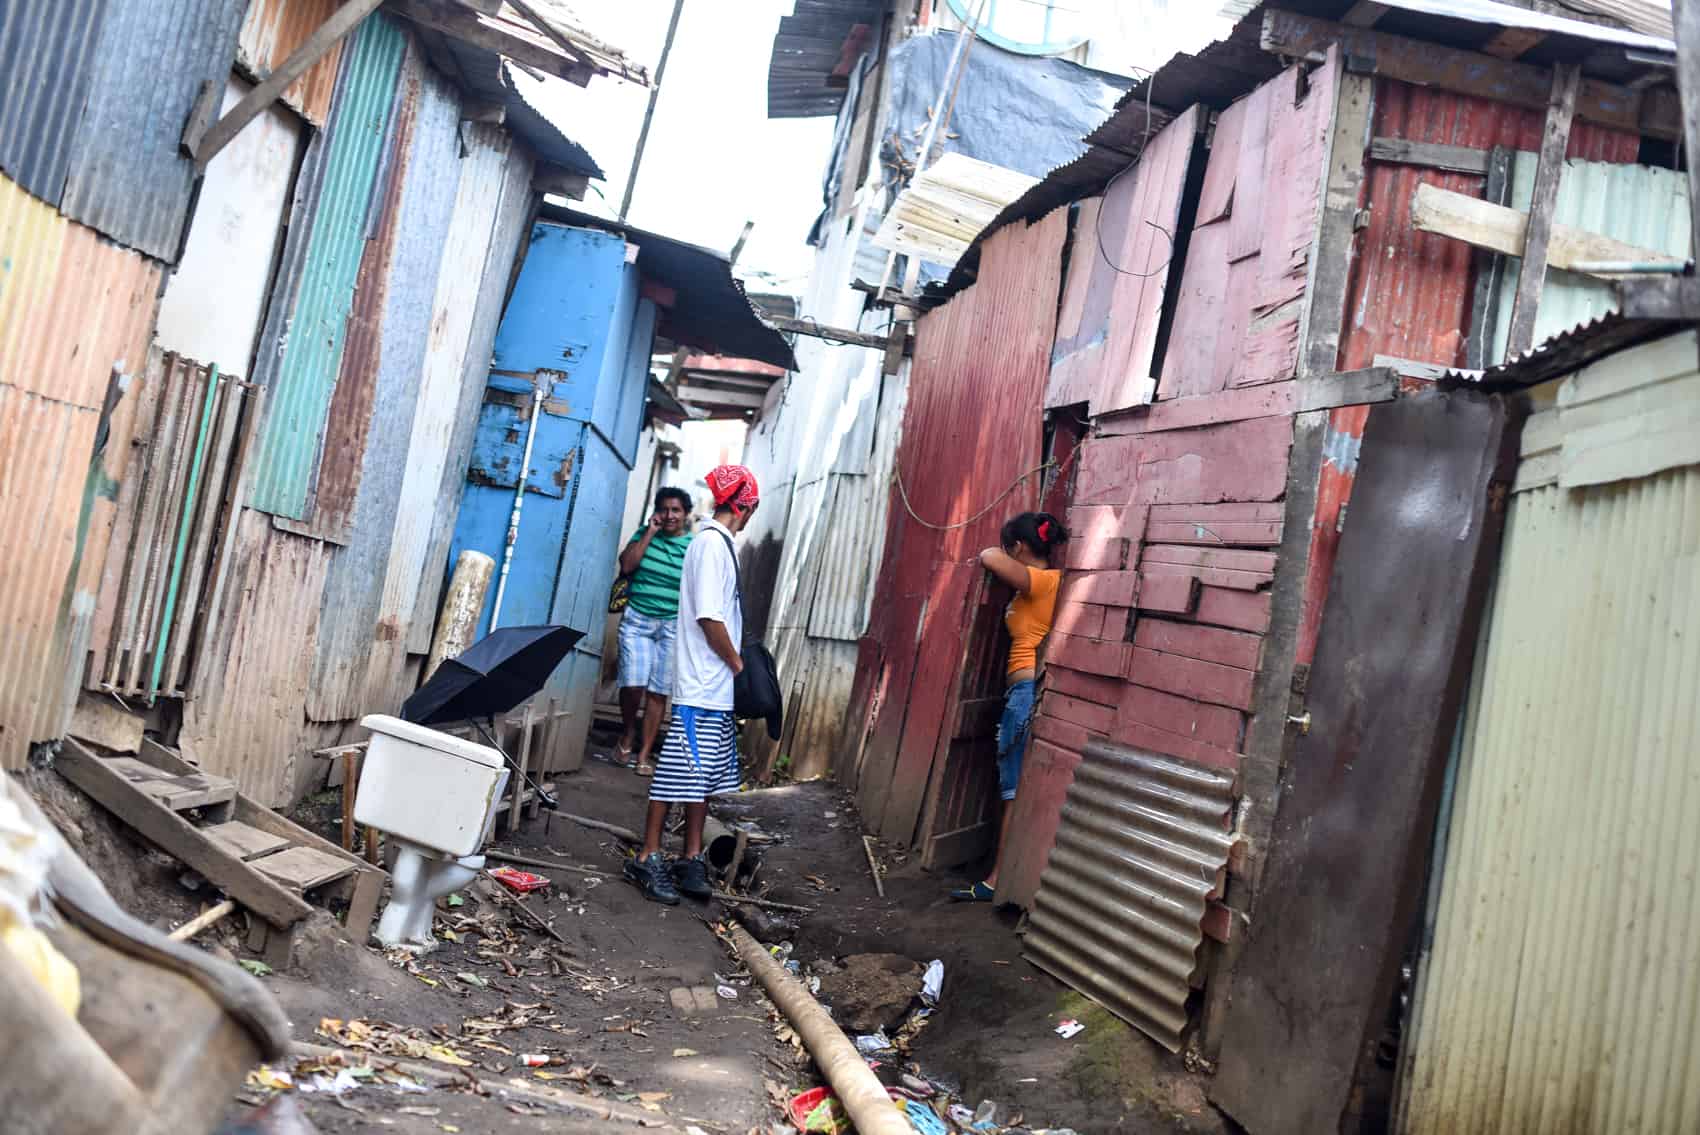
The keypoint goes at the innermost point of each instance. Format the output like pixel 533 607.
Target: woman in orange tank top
pixel 1024 562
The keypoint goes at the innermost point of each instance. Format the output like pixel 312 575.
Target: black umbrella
pixel 491 676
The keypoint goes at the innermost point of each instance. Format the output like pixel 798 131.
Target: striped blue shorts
pixel 699 759
pixel 646 652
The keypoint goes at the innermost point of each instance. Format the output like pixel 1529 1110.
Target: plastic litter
pixel 960 1115
pixel 932 982
pixel 1070 1028
pixel 520 881
pixel 727 992
pixel 873 1042
pixel 923 1119
pixel 818 1110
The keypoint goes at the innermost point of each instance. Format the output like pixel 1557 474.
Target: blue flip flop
pixel 979 892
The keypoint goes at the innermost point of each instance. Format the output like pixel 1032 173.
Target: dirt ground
pixel 598 1004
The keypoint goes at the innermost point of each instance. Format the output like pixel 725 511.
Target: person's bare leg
pixel 654 821
pixel 654 713
pixel 695 815
pixel 631 700
pixel 1003 835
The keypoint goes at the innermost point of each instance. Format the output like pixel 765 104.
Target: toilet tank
pixel 426 787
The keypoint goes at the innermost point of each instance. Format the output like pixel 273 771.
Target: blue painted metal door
pixel 576 331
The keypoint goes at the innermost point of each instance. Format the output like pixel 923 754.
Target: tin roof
pixel 813 50
pixel 710 310
pixel 1566 352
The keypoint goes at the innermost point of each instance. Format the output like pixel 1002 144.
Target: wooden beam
pixel 1466 72
pixel 833 334
pixel 1349 388
pixel 205 145
pixel 1323 315
pixel 481 31
pixel 1686 15
pixel 1555 141
pixel 1364 14
pixel 1512 43
pixel 1495 227
pixel 1432 155
pixel 705 396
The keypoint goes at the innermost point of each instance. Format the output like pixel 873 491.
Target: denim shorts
pixel 1012 735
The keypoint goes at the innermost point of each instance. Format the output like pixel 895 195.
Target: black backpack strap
pixel 737 572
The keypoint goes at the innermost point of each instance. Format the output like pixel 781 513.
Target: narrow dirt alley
pixel 600 1004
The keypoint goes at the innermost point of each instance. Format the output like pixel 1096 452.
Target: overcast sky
pixel 714 159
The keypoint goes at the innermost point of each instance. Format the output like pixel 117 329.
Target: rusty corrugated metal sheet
pixel 1143 842
pixel 272 30
pixel 976 389
pixel 512 223
pixel 454 312
pixel 1641 205
pixel 1561 977
pixel 427 167
pixel 308 325
pixel 46 63
pixel 244 717
pixel 1409 294
pixel 127 176
pixel 73 307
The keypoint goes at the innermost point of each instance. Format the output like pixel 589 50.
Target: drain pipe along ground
pixel 519 503
pixel 855 1084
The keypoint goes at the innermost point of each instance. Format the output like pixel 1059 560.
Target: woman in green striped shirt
pixel 653 559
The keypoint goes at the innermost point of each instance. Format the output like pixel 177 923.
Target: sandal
pixel 644 768
pixel 622 757
pixel 979 892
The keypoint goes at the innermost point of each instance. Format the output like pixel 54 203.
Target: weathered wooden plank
pixel 1549 168
pixel 1347 388
pixel 1233 559
pixel 1089 687
pixel 1173 592
pixel 1083 619
pixel 1093 522
pixel 1324 313
pixel 1095 553
pixel 1224 607
pixel 1234 461
pixel 1208 644
pixel 1465 72
pixel 1088 715
pixel 1063 734
pixel 174 835
pixel 1210 576
pixel 1046 774
pixel 302 868
pixel 1204 722
pixel 1255 533
pixel 1431 155
pixel 1142 736
pixel 1110 588
pixel 1233 405
pixel 243 841
pixel 1091 655
pixel 1206 681
pixel 1495 227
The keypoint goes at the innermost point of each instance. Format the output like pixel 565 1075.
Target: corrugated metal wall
pixel 127 176
pixel 1143 843
pixel 513 220
pixel 1561 980
pixel 272 30
pixel 73 307
pixel 312 324
pixel 1641 205
pixel 350 625
pixel 47 63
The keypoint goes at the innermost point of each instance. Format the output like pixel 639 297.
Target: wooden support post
pixel 350 783
pixel 1324 312
pixel 517 796
pixel 205 145
pixel 1555 140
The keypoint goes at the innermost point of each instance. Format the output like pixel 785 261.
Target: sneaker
pixel 652 877
pixel 691 875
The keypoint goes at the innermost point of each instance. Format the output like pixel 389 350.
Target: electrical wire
pixel 903 492
pixel 1098 228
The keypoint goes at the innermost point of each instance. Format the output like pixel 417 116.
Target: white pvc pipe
pixel 519 502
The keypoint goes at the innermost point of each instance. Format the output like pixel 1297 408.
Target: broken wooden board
pixel 303 868
pixel 243 841
pixel 1501 229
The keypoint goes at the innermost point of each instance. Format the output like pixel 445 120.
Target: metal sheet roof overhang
pixel 808 49
pixel 1235 65
pixel 710 309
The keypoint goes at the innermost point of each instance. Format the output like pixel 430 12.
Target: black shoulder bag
pixel 755 691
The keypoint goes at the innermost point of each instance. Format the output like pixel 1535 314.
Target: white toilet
pixel 435 796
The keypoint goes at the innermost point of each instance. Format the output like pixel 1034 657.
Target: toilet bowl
pixel 435 796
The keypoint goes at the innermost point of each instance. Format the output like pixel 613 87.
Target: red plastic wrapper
pixel 521 881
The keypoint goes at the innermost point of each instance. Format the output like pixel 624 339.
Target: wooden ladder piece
pixel 303 868
pixel 243 840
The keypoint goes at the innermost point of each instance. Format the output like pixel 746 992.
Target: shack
pixel 1214 339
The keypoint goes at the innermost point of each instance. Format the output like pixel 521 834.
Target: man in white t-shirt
pixel 699 759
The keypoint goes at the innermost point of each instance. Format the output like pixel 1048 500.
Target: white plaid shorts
pixel 646 652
